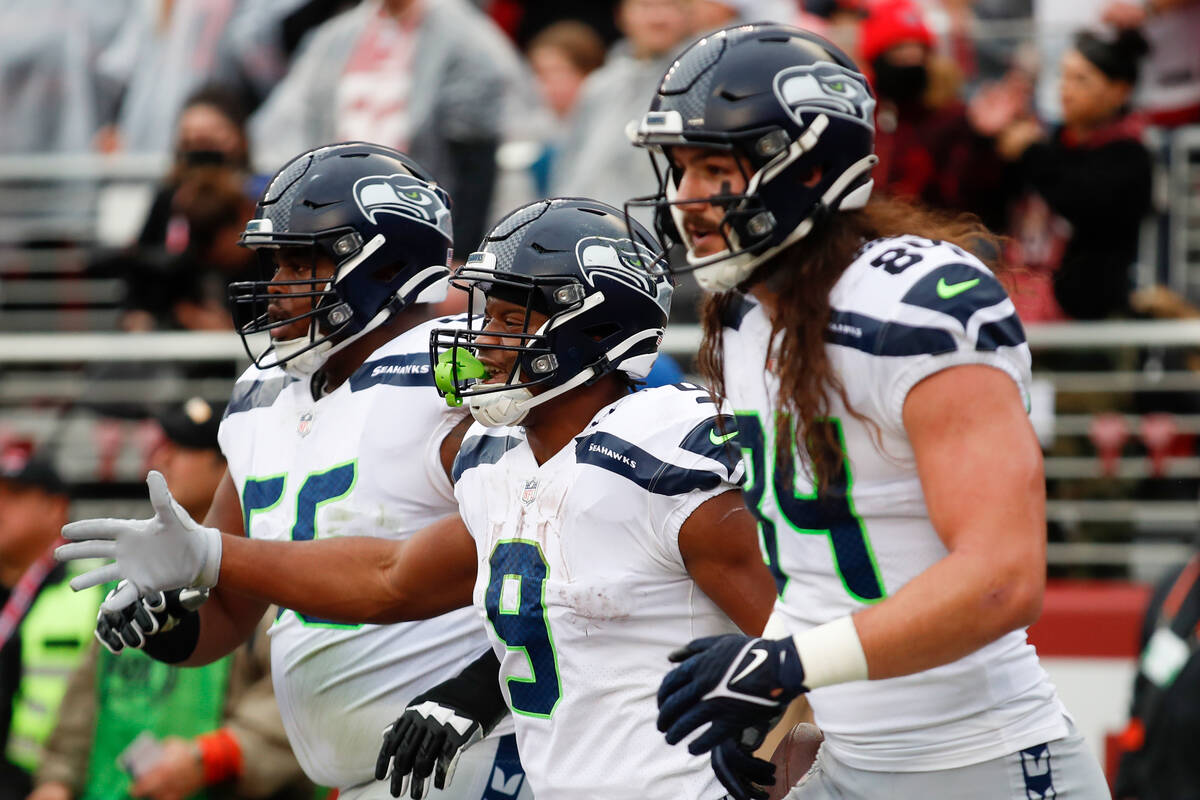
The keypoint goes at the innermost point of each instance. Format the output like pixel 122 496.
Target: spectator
pixel 44 626
pixel 164 51
pixel 48 94
pixel 710 15
pixel 1169 92
pixel 926 147
pixel 187 253
pixel 189 290
pixel 524 19
pixel 562 56
pixel 437 80
pixel 215 726
pixel 1159 762
pixel 1084 188
pixel 597 160
pixel 211 131
pixel 837 20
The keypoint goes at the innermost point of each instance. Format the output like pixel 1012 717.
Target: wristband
pixel 831 653
pixel 220 756
pixel 176 644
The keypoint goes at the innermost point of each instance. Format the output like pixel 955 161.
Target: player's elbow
pixel 1022 602
pixel 390 599
pixel 1012 598
pixel 1020 560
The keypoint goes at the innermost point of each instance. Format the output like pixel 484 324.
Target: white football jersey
pixel 361 461
pixel 905 308
pixel 585 592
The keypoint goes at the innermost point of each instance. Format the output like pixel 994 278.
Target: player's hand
pixel 178 773
pixel 738 769
pixel 428 738
pixel 145 617
pixel 733 682
pixel 168 551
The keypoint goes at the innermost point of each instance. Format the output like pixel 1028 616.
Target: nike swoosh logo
pixel 712 437
pixel 757 657
pixel 948 290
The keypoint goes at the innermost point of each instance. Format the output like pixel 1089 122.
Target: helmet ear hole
pixel 598 333
pixel 386 273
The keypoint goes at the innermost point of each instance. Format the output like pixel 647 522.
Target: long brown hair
pixel 801 278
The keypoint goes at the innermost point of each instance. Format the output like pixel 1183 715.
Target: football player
pixel 880 380
pixel 336 430
pixel 598 529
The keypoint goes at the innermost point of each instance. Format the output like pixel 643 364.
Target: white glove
pixel 168 551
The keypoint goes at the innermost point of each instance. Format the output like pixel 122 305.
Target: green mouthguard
pixel 457 362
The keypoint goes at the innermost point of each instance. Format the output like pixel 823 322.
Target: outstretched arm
pixel 358 579
pixel 228 618
pixel 348 580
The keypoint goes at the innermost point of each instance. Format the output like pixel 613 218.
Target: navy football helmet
pixel 381 221
pixel 787 102
pixel 601 285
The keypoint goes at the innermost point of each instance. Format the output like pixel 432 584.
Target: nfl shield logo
pixel 306 423
pixel 529 493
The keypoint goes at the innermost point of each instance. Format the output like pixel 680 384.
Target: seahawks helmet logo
pixel 403 195
pixel 826 89
pixel 625 261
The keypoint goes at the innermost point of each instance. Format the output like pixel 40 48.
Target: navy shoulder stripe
pixel 1006 332
pixel 956 289
pixel 715 438
pixel 612 453
pixel 481 450
pixel 247 395
pixel 408 369
pixel 881 338
pixel 736 312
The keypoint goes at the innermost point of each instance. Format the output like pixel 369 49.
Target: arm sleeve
pixel 475 691
pixel 252 717
pixel 69 748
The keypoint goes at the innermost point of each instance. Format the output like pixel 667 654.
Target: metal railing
pixel 58 385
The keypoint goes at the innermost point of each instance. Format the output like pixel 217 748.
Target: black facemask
pixel 900 84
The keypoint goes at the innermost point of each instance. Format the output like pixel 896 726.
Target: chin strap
pixel 295 360
pixel 510 407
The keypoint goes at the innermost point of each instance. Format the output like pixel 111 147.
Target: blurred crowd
pixel 1036 123
pixel 505 100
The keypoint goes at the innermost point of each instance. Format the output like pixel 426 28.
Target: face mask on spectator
pixel 901 84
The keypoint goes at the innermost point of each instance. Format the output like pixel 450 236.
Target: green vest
pixel 135 693
pixel 55 634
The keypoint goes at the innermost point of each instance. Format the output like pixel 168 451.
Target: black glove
pixel 733 681
pixel 739 771
pixel 439 725
pixel 148 616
